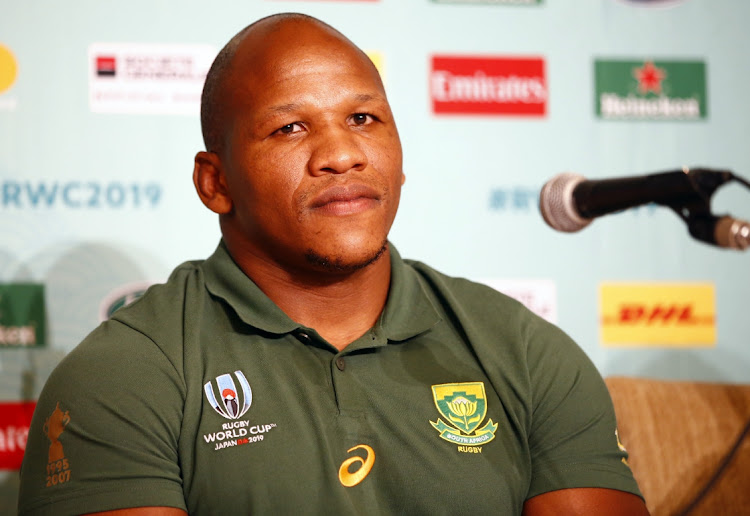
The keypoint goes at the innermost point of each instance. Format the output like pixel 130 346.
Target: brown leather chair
pixel 679 436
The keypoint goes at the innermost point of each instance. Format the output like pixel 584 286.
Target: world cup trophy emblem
pixel 54 426
pixel 58 467
pixel 231 407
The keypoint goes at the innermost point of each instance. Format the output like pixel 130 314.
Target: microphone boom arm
pixel 702 224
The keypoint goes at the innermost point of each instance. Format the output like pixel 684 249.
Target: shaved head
pixel 214 101
pixel 303 162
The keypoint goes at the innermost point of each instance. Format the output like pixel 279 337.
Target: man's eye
pixel 289 129
pixel 361 118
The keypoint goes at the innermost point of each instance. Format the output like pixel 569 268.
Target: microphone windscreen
pixel 557 204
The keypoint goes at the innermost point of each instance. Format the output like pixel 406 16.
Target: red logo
pixel 660 314
pixel 15 418
pixel 488 85
pixel 649 78
pixel 106 66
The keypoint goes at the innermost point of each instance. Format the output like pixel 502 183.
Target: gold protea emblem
pixel 463 410
pixel 464 405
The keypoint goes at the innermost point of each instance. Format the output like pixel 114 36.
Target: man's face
pixel 312 157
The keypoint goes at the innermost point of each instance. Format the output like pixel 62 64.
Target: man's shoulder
pixel 164 302
pixel 484 311
pixel 466 291
pixel 153 322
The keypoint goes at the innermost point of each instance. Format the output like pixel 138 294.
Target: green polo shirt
pixel 204 395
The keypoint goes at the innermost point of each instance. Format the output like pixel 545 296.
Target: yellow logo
pixel 619 444
pixel 352 478
pixel 8 68
pixel 378 59
pixel 621 447
pixel 670 314
pixel 464 405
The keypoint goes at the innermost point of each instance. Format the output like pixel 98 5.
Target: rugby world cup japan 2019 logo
pixel 232 405
pixel 464 406
pixel 235 398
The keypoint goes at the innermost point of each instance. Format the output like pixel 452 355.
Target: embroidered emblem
pixel 351 479
pixel 230 407
pixel 464 405
pixel 58 468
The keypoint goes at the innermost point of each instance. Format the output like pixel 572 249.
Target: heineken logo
pixel 22 315
pixel 464 407
pixel 488 85
pixel 650 90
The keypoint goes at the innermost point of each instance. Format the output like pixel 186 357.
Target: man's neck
pixel 340 307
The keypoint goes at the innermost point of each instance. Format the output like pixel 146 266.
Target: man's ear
pixel 210 183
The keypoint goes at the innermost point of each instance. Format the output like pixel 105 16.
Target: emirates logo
pixel 488 85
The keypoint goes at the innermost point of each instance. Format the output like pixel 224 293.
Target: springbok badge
pixel 464 405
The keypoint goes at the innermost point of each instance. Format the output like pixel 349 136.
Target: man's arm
pixel 579 465
pixel 585 501
pixel 105 430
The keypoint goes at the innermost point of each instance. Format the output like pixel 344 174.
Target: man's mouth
pixel 346 199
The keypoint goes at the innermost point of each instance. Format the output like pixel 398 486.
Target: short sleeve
pixel 105 431
pixel 573 440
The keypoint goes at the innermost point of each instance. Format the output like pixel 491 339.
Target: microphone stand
pixel 695 209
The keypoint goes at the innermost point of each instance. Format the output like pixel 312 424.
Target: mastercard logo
pixel 8 68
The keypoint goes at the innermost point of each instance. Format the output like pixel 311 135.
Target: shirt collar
pixel 226 280
pixel 408 311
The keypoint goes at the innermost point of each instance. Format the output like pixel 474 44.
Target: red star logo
pixel 649 78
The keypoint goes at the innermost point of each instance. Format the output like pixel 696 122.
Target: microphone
pixel 569 202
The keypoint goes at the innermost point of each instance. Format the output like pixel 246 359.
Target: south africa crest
pixel 464 406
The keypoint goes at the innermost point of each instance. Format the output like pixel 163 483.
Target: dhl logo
pixel 658 314
pixel 677 314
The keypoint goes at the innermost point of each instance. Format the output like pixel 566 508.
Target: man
pixel 305 367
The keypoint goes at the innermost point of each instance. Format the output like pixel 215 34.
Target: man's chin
pixel 344 264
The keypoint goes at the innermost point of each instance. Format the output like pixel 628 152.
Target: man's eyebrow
pixel 366 97
pixel 293 106
pixel 284 108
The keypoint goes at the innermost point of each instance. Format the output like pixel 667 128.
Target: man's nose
pixel 337 150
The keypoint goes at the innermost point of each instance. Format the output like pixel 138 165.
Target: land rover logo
pixel 121 296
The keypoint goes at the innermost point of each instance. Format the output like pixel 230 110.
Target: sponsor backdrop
pixel 99 126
